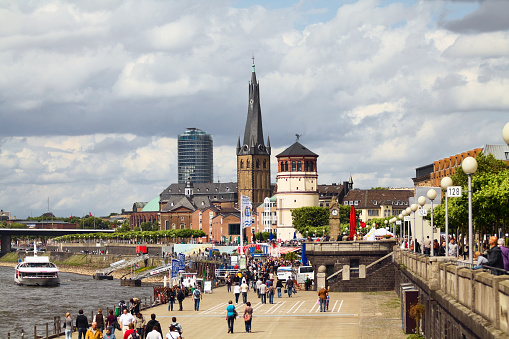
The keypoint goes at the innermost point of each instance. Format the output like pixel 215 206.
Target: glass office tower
pixel 195 156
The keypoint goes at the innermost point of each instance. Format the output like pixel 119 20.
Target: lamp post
pixel 403 214
pixel 408 211
pixel 400 216
pixel 414 208
pixel 505 133
pixel 432 194
pixel 422 201
pixel 469 166
pixel 385 223
pixel 444 183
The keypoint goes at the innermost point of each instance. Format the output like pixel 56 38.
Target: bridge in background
pixel 7 233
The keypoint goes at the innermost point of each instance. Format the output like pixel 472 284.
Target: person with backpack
pixel 154 334
pixel 197 296
pixel 81 324
pixel 170 294
pixel 248 317
pixel 177 326
pixel 173 333
pixel 131 333
pixel 153 323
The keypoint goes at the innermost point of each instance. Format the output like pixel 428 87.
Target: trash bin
pixel 117 311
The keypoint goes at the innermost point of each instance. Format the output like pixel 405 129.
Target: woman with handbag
pixel 248 316
pixel 231 313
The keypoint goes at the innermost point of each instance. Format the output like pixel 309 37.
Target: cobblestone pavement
pixel 350 315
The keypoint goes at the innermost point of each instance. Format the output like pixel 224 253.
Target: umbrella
pixel 353 223
pixel 271 237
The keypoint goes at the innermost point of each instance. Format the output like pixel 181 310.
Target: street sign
pixel 423 212
pixel 406 218
pixel 398 222
pixel 454 191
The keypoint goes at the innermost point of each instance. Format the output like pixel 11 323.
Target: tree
pixel 305 217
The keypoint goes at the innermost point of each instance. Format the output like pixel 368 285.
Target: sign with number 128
pixel 454 191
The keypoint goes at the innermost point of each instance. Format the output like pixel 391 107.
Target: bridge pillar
pixel 6 244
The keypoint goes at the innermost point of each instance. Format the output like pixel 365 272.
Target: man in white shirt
pixel 154 334
pixel 125 319
pixel 243 289
pixel 263 291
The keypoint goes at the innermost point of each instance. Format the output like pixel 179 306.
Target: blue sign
pixel 174 268
pixel 182 262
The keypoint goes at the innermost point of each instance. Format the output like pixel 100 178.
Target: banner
pixel 182 262
pixel 174 268
pixel 247 214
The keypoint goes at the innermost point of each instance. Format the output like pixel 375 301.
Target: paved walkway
pixel 296 317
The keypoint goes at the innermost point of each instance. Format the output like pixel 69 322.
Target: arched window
pixel 299 166
pixel 264 163
pixel 247 164
pixel 311 163
pixel 306 167
pixel 242 164
pixel 294 166
pixel 286 166
pixel 257 163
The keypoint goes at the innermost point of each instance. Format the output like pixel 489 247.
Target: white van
pixel 284 273
pixel 303 272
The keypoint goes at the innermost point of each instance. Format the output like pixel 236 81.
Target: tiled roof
pixel 297 149
pixel 376 198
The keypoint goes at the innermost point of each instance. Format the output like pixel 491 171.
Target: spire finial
pixel 298 136
pixel 253 63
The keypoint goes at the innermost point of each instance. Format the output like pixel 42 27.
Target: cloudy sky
pixel 94 93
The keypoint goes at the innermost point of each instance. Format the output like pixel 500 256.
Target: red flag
pixel 363 224
pixel 89 214
pixel 353 223
pixel 71 217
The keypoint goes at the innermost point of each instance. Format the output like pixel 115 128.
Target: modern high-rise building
pixel 195 157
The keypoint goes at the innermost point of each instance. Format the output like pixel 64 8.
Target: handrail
pixel 333 275
pixel 377 261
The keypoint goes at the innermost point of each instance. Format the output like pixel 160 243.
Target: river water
pixel 22 307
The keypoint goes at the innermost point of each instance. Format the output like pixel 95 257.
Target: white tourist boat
pixel 36 271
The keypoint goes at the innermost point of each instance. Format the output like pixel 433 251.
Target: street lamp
pixel 422 201
pixel 445 183
pixel 404 214
pixel 469 166
pixel 400 216
pixel 408 212
pixel 385 223
pixel 432 194
pixel 414 208
pixel 505 133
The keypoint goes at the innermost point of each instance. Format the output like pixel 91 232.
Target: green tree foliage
pixel 184 233
pixel 149 226
pixel 490 198
pixel 305 217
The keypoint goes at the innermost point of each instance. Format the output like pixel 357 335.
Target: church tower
pixel 253 157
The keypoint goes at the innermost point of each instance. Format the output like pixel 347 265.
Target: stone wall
pixel 459 302
pixel 336 256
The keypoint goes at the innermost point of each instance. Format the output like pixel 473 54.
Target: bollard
pixel 47 331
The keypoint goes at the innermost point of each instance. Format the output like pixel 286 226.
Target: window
pixel 294 166
pixel 306 166
pixel 286 166
pixel 311 166
pixel 234 229
pixel 173 226
pixel 356 203
pixel 299 166
pixel 242 164
pixel 257 163
pixel 264 163
pixel 167 224
pixel 247 164
pixel 182 226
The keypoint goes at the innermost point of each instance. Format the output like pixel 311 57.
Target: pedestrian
pixel 180 297
pixel 229 283
pixel 328 300
pixel 289 287
pixel 170 295
pixel 271 291
pixel 427 245
pixel 453 248
pixel 244 288
pixel 436 247
pixel 129 332
pixel 258 283
pixel 230 316
pixel 125 320
pixel 236 292
pixel 109 334
pixel 173 333
pixel 140 324
pixel 322 296
pixel 495 258
pixel 93 332
pixel 151 323
pixel 68 326
pixel 279 286
pixel 248 316
pixel 197 296
pixel 99 319
pixel 81 324
pixel 177 326
pixel 263 293
pixel 154 334
pixel 111 321
pixel 307 283
pixel 505 253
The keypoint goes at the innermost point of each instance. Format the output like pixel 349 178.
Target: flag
pixel 89 214
pixel 71 217
pixel 352 223
pixel 363 224
pixel 246 208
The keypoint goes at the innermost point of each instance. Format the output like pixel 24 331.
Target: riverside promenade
pixel 350 315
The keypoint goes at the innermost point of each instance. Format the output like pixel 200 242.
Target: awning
pixel 284 250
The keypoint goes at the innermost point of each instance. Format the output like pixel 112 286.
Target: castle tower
pixel 253 157
pixel 297 186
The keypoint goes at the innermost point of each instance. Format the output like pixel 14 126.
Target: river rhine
pixel 23 307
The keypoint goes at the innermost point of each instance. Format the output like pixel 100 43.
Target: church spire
pixel 253 134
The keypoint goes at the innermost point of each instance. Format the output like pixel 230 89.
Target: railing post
pixel 47 330
pixel 35 332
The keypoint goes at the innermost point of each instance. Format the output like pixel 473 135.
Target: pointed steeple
pixel 238 145
pixel 254 130
pixel 268 145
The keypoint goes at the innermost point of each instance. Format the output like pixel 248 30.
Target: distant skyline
pixel 94 94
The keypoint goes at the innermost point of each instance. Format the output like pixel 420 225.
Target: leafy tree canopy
pixel 305 217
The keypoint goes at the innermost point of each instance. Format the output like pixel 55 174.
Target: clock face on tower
pixel 334 212
pixel 251 101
